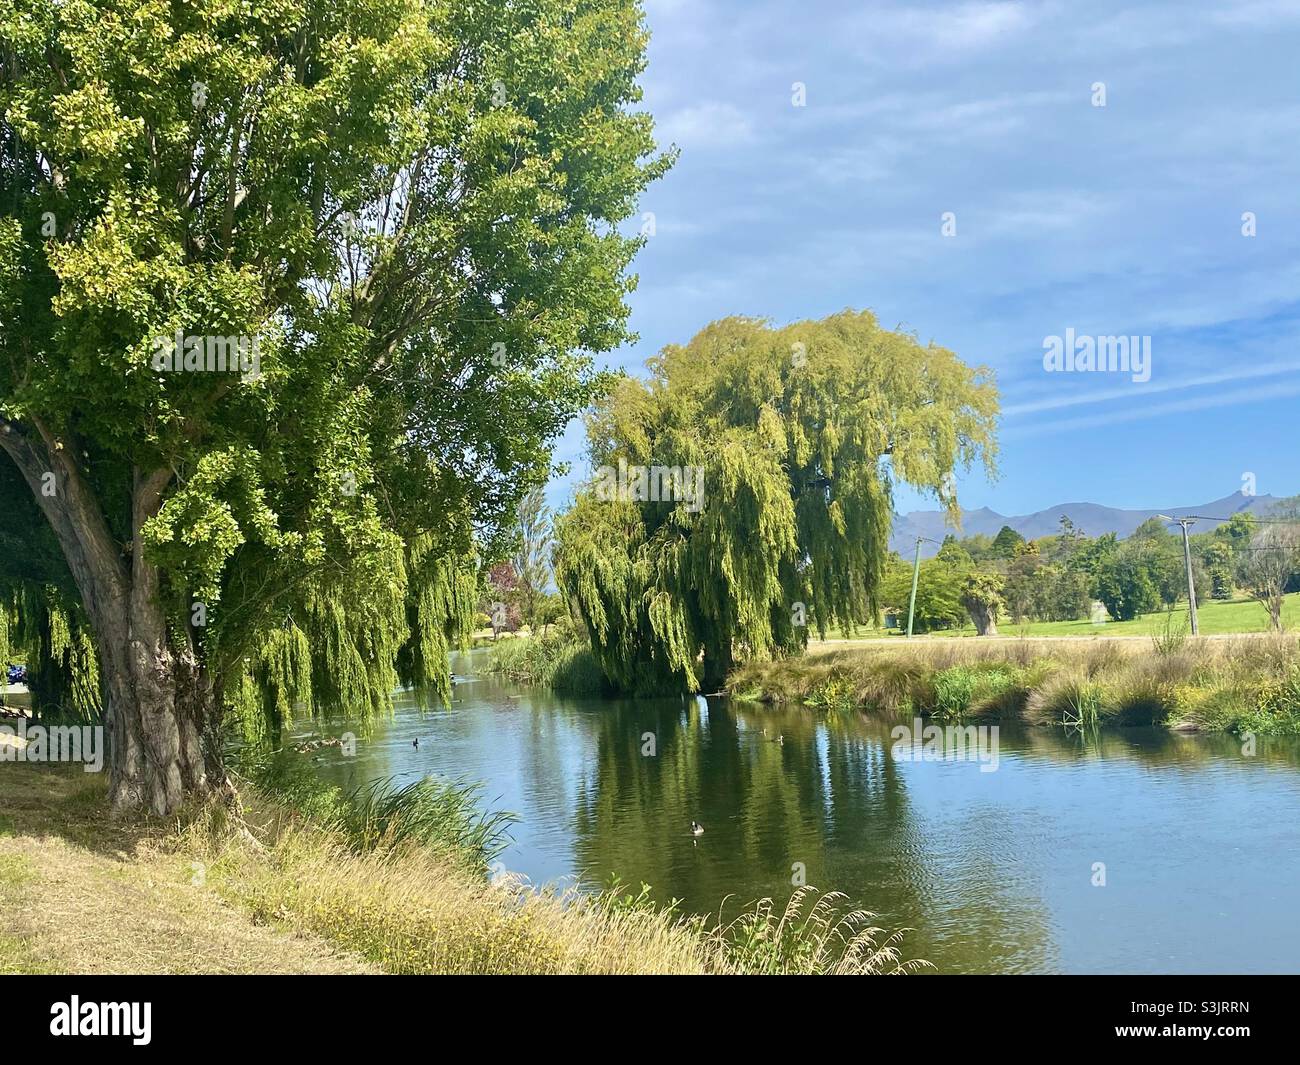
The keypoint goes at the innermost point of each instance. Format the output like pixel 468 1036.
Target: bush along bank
pixel 559 659
pixel 1246 685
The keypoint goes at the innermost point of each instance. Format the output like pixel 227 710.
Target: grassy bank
pixel 1222 685
pixel 559 660
pixel 307 879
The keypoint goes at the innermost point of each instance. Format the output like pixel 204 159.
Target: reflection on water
pixel 994 871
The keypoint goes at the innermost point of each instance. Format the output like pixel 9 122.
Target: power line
pixel 1261 521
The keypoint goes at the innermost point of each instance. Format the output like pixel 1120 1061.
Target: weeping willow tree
pixel 42 621
pixel 745 491
pixel 295 296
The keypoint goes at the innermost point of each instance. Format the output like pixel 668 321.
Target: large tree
pixel 409 211
pixel 787 444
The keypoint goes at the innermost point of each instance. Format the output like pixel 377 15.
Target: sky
pixel 1117 220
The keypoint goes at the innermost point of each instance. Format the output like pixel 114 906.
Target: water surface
pixel 994 871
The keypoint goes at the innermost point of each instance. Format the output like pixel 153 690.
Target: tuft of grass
pixel 1172 637
pixel 974 690
pixel 825 938
pixel 441 816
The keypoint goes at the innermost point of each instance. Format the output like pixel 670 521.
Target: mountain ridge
pixel 1093 519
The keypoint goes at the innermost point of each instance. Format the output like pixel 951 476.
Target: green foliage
pixel 561 660
pixel 961 691
pixel 981 595
pixel 412 206
pixel 800 434
pixel 939 590
pixel 1126 587
pixel 1218 560
pixel 532 557
pixel 1006 543
pixel 50 631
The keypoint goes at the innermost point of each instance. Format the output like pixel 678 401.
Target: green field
pixel 1216 618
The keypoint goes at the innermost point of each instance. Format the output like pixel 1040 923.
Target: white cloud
pixel 1257 13
pixel 913 35
pixel 712 124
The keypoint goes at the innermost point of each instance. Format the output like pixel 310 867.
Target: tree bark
pixel 161 707
pixel 162 711
pixel 983 616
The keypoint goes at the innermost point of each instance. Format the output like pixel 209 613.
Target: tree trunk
pixel 984 617
pixel 162 712
pixel 161 707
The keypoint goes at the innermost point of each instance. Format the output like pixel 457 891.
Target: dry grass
pixel 268 890
pixel 86 894
pixel 1252 683
pixel 411 911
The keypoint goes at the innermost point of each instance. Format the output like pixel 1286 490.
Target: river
pixel 998 871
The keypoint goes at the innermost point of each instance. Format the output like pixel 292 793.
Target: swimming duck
pixel 697 829
pixel 415 743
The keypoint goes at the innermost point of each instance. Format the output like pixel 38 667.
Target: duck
pixel 780 737
pixel 697 829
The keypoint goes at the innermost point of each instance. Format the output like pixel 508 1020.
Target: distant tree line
pixel 983 580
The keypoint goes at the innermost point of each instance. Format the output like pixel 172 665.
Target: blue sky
pixel 1117 220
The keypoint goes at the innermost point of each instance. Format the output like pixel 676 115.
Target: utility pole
pixel 1187 558
pixel 916 572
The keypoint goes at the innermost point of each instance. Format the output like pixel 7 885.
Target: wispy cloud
pixel 1143 391
pixel 1237 397
pixel 912 34
pixel 712 124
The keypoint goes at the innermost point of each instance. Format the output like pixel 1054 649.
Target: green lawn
pixel 1214 617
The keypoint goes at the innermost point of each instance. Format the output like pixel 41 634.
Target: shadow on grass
pixel 65 801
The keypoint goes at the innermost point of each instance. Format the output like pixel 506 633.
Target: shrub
pixel 560 660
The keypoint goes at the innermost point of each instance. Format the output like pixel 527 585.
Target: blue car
pixel 16 674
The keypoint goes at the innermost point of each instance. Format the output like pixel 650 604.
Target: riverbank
pixel 86 894
pixel 1242 685
pixel 280 890
pixel 560 660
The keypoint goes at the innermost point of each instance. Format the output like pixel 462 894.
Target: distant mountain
pixel 1090 518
